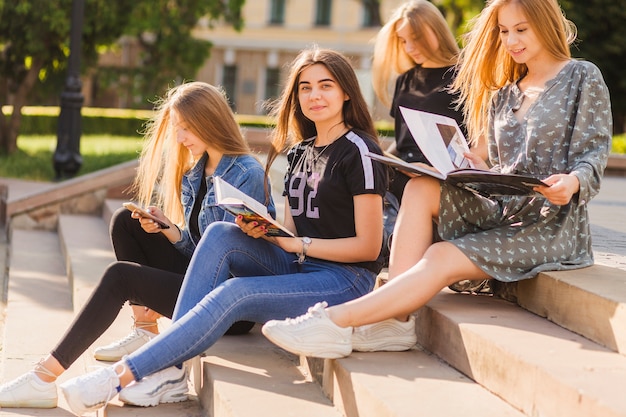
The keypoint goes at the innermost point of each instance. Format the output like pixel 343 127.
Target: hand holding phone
pixel 145 213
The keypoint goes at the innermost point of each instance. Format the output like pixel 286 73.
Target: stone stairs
pixel 555 347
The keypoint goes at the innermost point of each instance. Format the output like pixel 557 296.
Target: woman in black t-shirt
pixel 333 194
pixel 416 50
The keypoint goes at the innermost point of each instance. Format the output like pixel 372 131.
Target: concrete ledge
pixel 616 165
pixel 535 365
pixel 87 251
pixel 589 301
pixel 84 194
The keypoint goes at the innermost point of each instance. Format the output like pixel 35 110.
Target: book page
pixel 439 138
pixel 241 204
pixel 227 194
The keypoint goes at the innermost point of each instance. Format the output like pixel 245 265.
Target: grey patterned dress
pixel 566 130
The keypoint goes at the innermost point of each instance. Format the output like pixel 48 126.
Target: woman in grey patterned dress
pixel 544 114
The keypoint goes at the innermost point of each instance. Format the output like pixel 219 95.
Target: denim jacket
pixel 241 171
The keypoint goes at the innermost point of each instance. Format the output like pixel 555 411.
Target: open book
pixel 239 203
pixel 441 141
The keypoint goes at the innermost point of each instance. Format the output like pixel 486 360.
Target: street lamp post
pixel 66 159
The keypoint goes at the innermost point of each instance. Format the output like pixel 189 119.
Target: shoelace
pixel 18 381
pixel 312 312
pixel 132 335
pixel 41 368
pixel 96 377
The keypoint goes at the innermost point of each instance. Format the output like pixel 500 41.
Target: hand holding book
pixel 241 204
pixel 440 139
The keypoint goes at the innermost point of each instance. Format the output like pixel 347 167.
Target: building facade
pixel 251 64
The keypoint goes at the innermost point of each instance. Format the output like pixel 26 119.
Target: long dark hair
pixel 291 124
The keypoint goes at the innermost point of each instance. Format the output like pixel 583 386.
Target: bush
pixel 43 120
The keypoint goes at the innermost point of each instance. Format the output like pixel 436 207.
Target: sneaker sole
pixel 48 403
pixel 373 346
pixel 314 350
pixel 166 398
pixel 107 358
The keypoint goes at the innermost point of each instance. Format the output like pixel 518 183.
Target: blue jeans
pixel 268 284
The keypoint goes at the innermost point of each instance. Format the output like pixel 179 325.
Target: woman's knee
pixel 451 264
pixel 423 191
pixel 115 274
pixel 121 220
pixel 226 233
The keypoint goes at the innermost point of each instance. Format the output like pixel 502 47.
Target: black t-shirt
pixel 424 89
pixel 321 182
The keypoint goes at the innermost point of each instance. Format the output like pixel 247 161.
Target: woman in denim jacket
pixel 192 138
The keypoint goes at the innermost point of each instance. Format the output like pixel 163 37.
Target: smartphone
pixel 144 213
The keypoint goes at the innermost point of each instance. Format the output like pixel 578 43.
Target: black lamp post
pixel 66 159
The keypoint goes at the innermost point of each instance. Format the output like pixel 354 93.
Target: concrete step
pixel 247 375
pixel 530 362
pixel 87 252
pixel 589 301
pixel 405 384
pixel 38 309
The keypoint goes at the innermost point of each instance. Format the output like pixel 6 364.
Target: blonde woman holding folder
pixel 544 114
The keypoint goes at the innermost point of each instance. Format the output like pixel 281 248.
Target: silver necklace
pixel 312 158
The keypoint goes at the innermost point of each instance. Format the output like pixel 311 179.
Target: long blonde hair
pixel 390 58
pixel 485 66
pixel 163 160
pixel 293 126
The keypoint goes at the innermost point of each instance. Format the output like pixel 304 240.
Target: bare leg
pixel 442 264
pixel 146 318
pixel 413 231
pixel 123 372
pixel 48 369
pixel 418 268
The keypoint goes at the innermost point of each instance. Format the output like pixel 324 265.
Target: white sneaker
pixel 166 386
pixel 28 391
pixel 388 335
pixel 115 351
pixel 91 391
pixel 311 334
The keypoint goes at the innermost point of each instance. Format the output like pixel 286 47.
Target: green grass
pixel 33 160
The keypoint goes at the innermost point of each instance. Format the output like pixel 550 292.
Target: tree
pixel 602 40
pixel 34 39
pixel 458 12
pixel 169 52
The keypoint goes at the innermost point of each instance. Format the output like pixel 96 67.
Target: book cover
pixel 442 142
pixel 241 204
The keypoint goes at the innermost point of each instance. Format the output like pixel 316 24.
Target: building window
pixel 277 12
pixel 322 15
pixel 371 13
pixel 229 82
pixel 272 83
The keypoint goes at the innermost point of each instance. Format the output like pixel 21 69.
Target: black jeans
pixel 132 244
pixel 149 271
pixel 122 281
